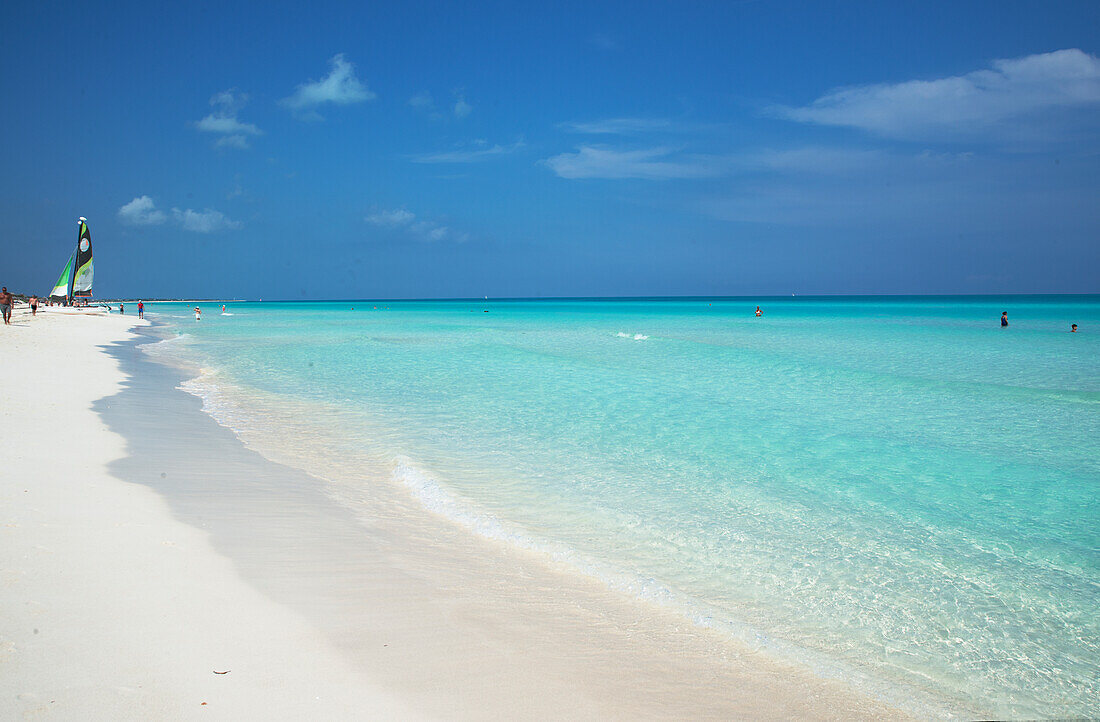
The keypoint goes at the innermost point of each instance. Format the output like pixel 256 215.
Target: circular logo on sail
pixel 84 244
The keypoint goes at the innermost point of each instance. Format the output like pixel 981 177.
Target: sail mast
pixel 72 276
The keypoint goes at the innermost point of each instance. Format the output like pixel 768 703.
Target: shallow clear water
pixel 894 489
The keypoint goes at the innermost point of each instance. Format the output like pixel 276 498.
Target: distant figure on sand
pixel 121 309
pixel 34 305
pixel 759 313
pixel 6 304
pixel 141 309
pixel 198 314
pixel 1004 319
pixel 1073 328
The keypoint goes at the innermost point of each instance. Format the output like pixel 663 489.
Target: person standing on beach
pixel 121 309
pixel 6 304
pixel 34 305
pixel 141 309
pixel 1004 319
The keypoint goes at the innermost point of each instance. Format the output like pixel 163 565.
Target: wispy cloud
pixel 811 160
pixel 205 221
pixel 339 87
pixel 425 103
pixel 391 218
pixel 141 212
pixel 422 101
pixel 422 229
pixel 618 126
pixel 970 105
pixel 224 124
pixel 232 141
pixel 223 120
pixel 660 163
pixel 603 41
pixel 899 191
pixel 462 108
pixel 479 151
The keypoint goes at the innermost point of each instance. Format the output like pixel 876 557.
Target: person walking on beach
pixel 141 309
pixel 34 305
pixel 1004 319
pixel 6 302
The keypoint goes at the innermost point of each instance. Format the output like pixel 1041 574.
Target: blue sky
pixel 389 150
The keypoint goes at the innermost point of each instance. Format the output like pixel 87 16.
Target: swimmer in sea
pixel 759 313
pixel 1073 328
pixel 198 314
pixel 1004 319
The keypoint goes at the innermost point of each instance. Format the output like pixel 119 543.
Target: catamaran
pixel 76 280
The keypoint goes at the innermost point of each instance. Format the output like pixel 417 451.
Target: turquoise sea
pixel 894 490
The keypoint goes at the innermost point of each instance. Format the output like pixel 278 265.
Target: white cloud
pixel 422 101
pixel 340 87
pixel 224 120
pixel 462 108
pixel 896 193
pixel 224 124
pixel 394 218
pixel 141 212
pixel 425 103
pixel 812 160
pixel 205 221
pixel 648 164
pixel 425 230
pixel 973 104
pixel 481 151
pixel 618 126
pixel 431 231
pixel 232 141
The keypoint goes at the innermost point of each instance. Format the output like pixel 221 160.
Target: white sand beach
pixel 110 608
pixel 153 567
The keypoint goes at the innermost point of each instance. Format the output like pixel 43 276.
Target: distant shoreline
pixel 745 297
pixel 175 300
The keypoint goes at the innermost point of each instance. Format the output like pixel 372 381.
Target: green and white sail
pixel 61 288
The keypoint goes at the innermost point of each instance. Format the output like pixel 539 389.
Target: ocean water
pixel 895 491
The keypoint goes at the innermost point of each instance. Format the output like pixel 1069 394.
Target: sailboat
pixel 75 280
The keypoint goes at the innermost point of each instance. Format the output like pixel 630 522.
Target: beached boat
pixel 75 281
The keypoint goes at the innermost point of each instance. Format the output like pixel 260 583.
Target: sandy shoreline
pixel 143 547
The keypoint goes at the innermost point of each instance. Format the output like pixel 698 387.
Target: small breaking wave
pixel 439 500
pixel 635 336
pixel 165 346
pixel 218 401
